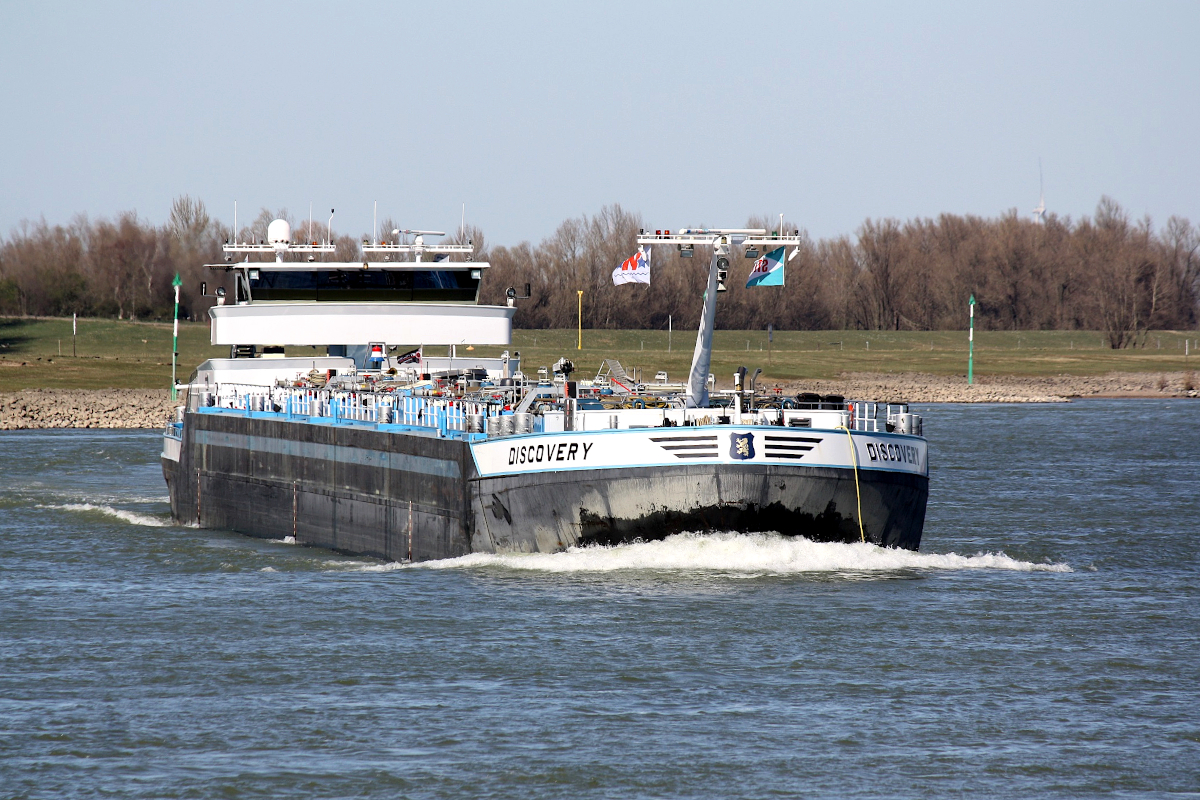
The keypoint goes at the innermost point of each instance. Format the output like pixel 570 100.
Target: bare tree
pixel 879 252
pixel 1102 273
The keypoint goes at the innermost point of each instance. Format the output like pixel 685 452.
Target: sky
pixel 690 113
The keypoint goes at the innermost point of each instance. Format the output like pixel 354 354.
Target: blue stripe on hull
pixel 330 452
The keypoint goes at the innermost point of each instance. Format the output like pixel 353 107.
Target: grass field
pixel 36 353
pixel 109 354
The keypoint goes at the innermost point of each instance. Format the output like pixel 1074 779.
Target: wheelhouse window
pixel 428 286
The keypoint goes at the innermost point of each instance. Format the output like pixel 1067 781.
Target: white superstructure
pixel 392 297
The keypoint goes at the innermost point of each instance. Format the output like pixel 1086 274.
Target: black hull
pixel 397 496
pixel 325 485
pixel 609 506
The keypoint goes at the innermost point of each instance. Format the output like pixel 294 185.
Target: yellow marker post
pixel 579 346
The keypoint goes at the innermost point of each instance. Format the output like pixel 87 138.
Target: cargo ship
pixel 395 440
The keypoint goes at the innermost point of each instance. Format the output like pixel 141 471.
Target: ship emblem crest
pixel 741 446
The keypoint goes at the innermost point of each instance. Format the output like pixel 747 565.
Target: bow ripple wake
pixel 741 553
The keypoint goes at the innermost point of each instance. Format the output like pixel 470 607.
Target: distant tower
pixel 1039 213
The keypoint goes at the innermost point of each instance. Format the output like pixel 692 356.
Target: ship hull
pixel 366 490
pixel 557 510
pixel 342 487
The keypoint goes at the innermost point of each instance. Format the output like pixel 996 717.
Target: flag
pixel 635 269
pixel 768 270
pixel 411 357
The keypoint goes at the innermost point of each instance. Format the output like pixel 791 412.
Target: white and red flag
pixel 635 269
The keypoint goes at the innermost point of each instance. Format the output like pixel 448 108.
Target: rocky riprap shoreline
pixel 85 408
pixel 924 388
pixel 150 408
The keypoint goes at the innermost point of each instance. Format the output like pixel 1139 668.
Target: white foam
pixel 740 553
pixel 357 566
pixel 163 498
pixel 132 517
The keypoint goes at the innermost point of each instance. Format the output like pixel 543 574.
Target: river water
pixel 1044 642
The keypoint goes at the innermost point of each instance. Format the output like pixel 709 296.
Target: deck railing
pixel 446 416
pixel 460 418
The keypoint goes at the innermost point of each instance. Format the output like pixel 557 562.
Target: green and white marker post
pixel 175 339
pixel 970 346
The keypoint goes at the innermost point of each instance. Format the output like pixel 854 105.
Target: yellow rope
pixel 854 459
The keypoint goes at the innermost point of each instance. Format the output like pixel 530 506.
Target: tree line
pixel 1106 272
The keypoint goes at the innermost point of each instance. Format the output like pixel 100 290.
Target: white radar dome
pixel 279 233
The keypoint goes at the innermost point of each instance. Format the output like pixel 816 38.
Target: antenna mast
pixel 721 240
pixel 1039 213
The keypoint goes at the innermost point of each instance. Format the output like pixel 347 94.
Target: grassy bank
pixel 36 353
pixel 797 355
pixel 109 354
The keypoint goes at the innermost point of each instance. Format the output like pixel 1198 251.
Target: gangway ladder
pixel 612 370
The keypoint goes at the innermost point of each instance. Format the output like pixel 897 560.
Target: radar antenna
pixel 279 241
pixel 418 247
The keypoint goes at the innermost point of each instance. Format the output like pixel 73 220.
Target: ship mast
pixel 720 240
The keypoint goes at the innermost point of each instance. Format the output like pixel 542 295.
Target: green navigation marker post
pixel 175 337
pixel 971 345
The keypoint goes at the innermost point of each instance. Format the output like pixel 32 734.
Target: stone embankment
pixel 85 408
pixel 150 408
pixel 924 388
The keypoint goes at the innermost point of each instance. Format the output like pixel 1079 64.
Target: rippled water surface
pixel 1044 642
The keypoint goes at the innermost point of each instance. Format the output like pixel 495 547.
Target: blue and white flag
pixel 768 270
